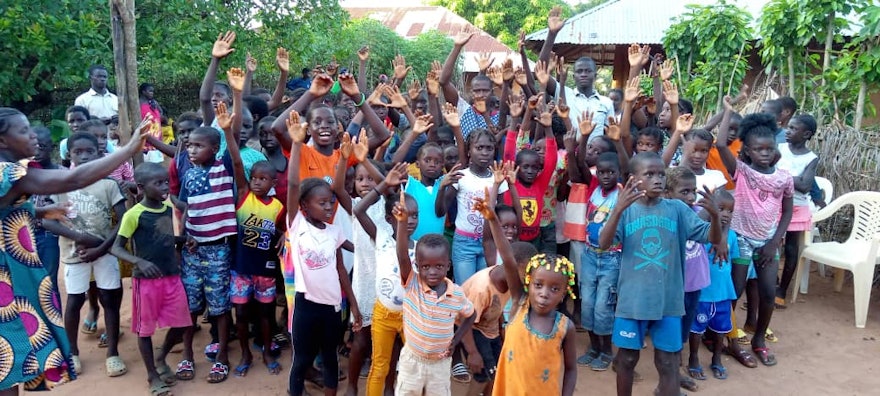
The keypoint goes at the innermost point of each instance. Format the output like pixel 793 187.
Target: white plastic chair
pixel 814 235
pixel 858 254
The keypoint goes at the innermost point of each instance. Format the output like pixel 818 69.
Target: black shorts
pixel 490 351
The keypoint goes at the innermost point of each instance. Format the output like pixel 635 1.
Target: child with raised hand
pixel 464 185
pixel 473 113
pixel 801 162
pixel 697 145
pixel 315 262
pixel 260 225
pixel 426 189
pixel 653 232
pixel 764 196
pixel 489 291
pixel 432 305
pixel 146 238
pixel 539 340
pixel 85 244
pixel 716 299
pixel 599 268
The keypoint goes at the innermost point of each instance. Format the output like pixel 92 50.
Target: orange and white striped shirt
pixel 428 319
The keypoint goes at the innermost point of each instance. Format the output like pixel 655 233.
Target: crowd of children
pixel 431 235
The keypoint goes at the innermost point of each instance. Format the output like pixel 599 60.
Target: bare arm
pixel 569 356
pixel 724 152
pixel 163 147
pixel 804 182
pixel 449 91
pixel 282 60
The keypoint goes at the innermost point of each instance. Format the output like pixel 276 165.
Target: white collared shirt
pixel 102 106
pixel 601 106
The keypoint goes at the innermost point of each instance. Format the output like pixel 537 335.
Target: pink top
pixel 313 253
pixel 759 200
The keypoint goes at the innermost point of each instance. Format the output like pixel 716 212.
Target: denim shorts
pixel 598 289
pixel 468 257
pixel 206 277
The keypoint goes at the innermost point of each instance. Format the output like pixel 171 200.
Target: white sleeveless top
pixel 796 164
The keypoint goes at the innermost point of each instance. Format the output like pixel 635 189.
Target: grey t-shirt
pixel 651 283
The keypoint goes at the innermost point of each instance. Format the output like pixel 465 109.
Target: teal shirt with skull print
pixel 651 283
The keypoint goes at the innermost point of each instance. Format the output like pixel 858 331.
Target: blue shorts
pixel 714 316
pixel 206 277
pixel 665 333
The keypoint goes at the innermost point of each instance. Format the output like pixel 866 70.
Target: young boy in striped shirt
pixel 431 306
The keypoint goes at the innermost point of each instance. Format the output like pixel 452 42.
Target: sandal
pixel 743 357
pixel 211 351
pixel 780 303
pixel 77 364
pixel 718 371
pixel 160 388
pixel 115 366
pixel 186 370
pixel 219 372
pixel 460 373
pixel 274 368
pixel 764 355
pixel 696 373
pixel 102 340
pixel 769 336
pixel 89 327
pixel 166 375
pixel 241 370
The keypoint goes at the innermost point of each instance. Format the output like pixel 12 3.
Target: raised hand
pixel 495 74
pixel 561 70
pixel 552 62
pixel 400 213
pixel 453 176
pixel 510 170
pixel 546 118
pixel 282 59
pixel 422 124
pixel 533 101
pixel 632 89
pixel 483 205
pixel 521 43
pixel 432 83
pixel 638 56
pixel 250 63
pixel 666 69
pixel 375 98
pixel 224 118
pixel 480 104
pixel 685 123
pixel 586 124
pixel 707 202
pixel 394 95
pixel 345 146
pixel 321 84
pixel 507 70
pixel 415 88
pixel 362 147
pixel 541 72
pixel 397 175
pixel 235 76
pixel 499 173
pixel 349 85
pixel 728 103
pixel 651 105
pixel 223 45
pixel 519 75
pixel 364 53
pixel 515 103
pixel 484 60
pixel 400 68
pixel 612 129
pixel 295 129
pixel 630 193
pixel 670 93
pixel 569 141
pixel 462 38
pixel 743 94
pixel 554 20
pixel 450 114
pixel 562 109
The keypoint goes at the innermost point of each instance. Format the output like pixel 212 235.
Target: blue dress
pixel 34 350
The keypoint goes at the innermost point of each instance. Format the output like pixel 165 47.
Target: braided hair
pixel 555 263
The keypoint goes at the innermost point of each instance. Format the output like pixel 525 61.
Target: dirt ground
pixel 820 352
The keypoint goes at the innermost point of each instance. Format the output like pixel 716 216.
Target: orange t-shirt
pixel 714 162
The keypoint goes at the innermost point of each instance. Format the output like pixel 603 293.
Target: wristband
pixel 363 99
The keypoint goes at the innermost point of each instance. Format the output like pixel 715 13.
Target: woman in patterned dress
pixel 34 350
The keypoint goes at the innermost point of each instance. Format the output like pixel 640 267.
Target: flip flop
pixel 242 369
pixel 743 357
pixel 697 373
pixel 718 371
pixel 274 368
pixel 160 388
pixel 460 373
pixel 166 375
pixel 764 355
pixel 89 327
pixel 219 373
pixel 186 370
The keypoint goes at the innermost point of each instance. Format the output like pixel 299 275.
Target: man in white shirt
pixel 100 102
pixel 585 96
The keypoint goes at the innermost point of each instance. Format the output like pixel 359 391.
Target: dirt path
pixel 820 352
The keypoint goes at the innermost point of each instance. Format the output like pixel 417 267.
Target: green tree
pixel 504 19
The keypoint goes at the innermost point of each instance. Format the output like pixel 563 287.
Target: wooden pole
pixel 122 23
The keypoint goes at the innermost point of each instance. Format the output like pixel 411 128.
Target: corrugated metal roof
pixel 632 21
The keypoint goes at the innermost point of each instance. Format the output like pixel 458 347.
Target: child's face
pixel 247 128
pixel 645 143
pixel 445 139
pixel 761 150
pixel 323 127
pixel 431 163
pixel 433 263
pixel 156 188
pixel 45 148
pixel 450 157
pixel 594 149
pixel 509 225
pixel 608 174
pixel 725 210
pixel 201 149
pixel 616 100
pixel 319 205
pixel 220 95
pixel 184 129
pixel 267 139
pixel 697 151
pixel 381 111
pixel 342 116
pixel 82 151
pixel 797 133
pixel 652 175
pixel 482 152
pixel 733 131
pixel 412 221
pixel 664 116
pixel 74 119
pixel 100 134
pixel 363 182
pixel 422 106
pixel 540 147
pixel 19 139
pixel 546 289
pixel 349 182
pixel 685 191
pixel 529 167
pixel 262 180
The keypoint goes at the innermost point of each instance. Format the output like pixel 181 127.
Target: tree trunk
pixel 826 57
pixel 791 87
pixel 860 104
pixel 122 22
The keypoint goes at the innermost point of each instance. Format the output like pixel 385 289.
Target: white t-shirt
pixel 364 276
pixel 796 164
pixel 389 287
pixel 468 221
pixel 710 178
pixel 313 252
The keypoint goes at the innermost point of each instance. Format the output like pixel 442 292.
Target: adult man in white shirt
pixel 585 96
pixel 100 102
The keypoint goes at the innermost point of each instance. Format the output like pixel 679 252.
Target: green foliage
pixel 504 19
pixel 706 41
